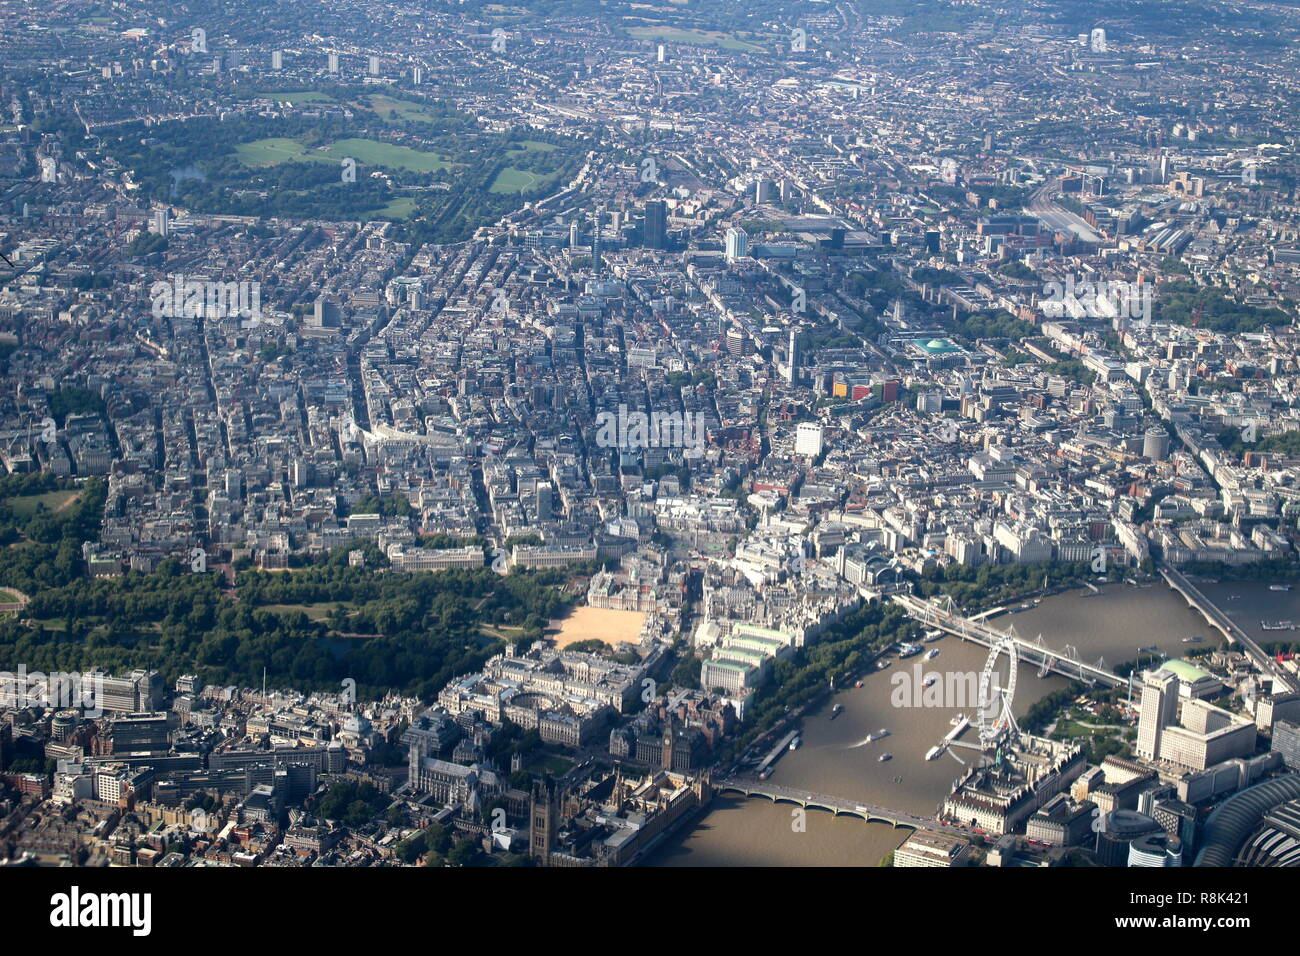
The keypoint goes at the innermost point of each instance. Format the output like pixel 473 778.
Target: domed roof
pixel 356 724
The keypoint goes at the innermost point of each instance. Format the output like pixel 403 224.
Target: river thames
pixel 836 757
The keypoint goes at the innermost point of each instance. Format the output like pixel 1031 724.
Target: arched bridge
pixel 1224 624
pixel 838 806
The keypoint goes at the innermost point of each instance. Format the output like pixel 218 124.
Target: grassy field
pixel 306 96
pixel 9 597
pixel 369 152
pixel 694 38
pixel 49 623
pixel 53 500
pixel 269 152
pixel 551 764
pixel 505 632
pixel 374 153
pixel 405 109
pixel 400 208
pixel 513 180
pixel 533 146
pixel 317 612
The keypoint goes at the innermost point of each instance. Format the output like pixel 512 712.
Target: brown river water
pixel 836 759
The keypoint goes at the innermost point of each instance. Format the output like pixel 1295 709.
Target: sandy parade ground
pixel 586 623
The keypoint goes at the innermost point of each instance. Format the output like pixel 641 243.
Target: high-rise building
pixel 139 733
pixel 795 354
pixel 655 231
pixel 140 691
pixel 738 343
pixel 737 244
pixel 373 64
pixel 808 439
pixel 1155 444
pixel 1098 40
pixel 326 313
pixel 277 60
pixel 1206 735
pixel 1286 741
pixel 1157 710
pixel 162 221
pixel 334 63
pixel 417 76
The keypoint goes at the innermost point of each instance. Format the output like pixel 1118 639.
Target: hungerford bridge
pixel 1067 662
